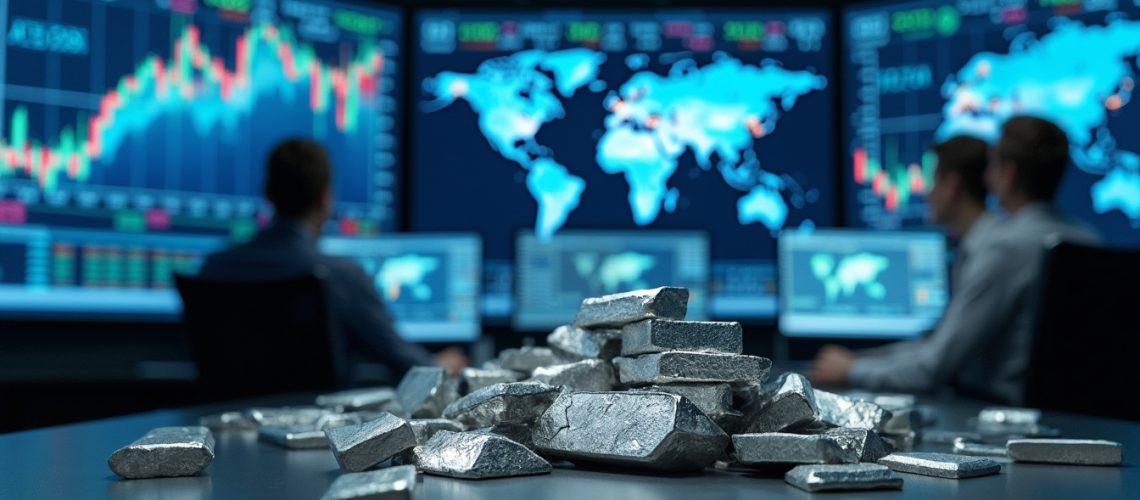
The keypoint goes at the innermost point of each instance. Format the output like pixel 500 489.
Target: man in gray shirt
pixel 982 344
pixel 299 185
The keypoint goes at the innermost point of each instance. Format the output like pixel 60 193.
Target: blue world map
pixel 1058 77
pixel 716 112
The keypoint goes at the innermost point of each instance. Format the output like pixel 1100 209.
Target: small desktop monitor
pixel 554 276
pixel 430 282
pixel 861 284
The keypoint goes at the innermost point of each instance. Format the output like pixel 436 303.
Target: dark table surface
pixel 70 462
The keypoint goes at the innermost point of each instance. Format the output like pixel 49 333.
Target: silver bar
pixel 425 391
pixel 470 455
pixel 783 448
pixel 515 403
pixel 1066 451
pixel 845 477
pixel 942 465
pixel 394 483
pixel 586 375
pixel 662 335
pixel 360 447
pixel 683 367
pixel 571 342
pixel 620 309
pixel 165 452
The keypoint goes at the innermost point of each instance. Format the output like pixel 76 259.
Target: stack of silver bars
pixel 629 384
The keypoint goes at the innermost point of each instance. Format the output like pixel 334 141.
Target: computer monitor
pixel 717 120
pixel 430 283
pixel 133 136
pixel 924 71
pixel 555 275
pixel 861 284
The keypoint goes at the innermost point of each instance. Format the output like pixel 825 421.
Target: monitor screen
pixel 555 274
pixel 864 284
pixel 430 283
pixel 921 72
pixel 133 136
pixel 714 120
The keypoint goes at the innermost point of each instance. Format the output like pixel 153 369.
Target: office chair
pixel 1085 356
pixel 256 338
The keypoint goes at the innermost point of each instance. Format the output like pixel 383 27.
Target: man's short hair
pixel 297 175
pixel 1039 150
pixel 966 156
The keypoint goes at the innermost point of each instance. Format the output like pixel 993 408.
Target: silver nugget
pixel 526 359
pixel 620 309
pixel 473 379
pixel 1066 451
pixel 520 433
pixel 783 448
pixel 841 411
pixel 572 343
pixel 425 391
pixel 369 399
pixel 684 367
pixel 866 444
pixel 516 403
pixel 647 430
pixel 165 452
pixel 470 455
pixel 359 447
pixel 942 465
pixel 393 483
pixel 586 375
pixel 662 335
pixel 789 402
pixel 846 477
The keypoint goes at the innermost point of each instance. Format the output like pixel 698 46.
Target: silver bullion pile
pixel 629 384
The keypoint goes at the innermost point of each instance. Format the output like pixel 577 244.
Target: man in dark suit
pixel 298 185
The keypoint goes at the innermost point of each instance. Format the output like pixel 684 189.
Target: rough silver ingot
pixel 473 379
pixel 477 455
pixel 359 447
pixel 526 359
pixel 286 416
pixel 842 411
pixel 663 335
pixel 1066 451
pixel 571 342
pixel 942 465
pixel 294 438
pixel 1004 420
pixel 648 430
pixel 165 452
pixel 975 449
pixel 393 483
pixel 515 403
pixel 425 391
pixel 866 444
pixel 938 436
pixel 783 448
pixel 620 309
pixel 790 402
pixel 586 375
pixel 844 477
pixel 889 401
pixel 229 420
pixel 425 428
pixel 715 400
pixel 370 399
pixel 683 367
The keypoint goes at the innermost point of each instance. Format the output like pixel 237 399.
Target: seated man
pixel 982 343
pixel 298 185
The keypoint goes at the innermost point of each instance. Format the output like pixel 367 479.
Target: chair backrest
pixel 1085 356
pixel 251 338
